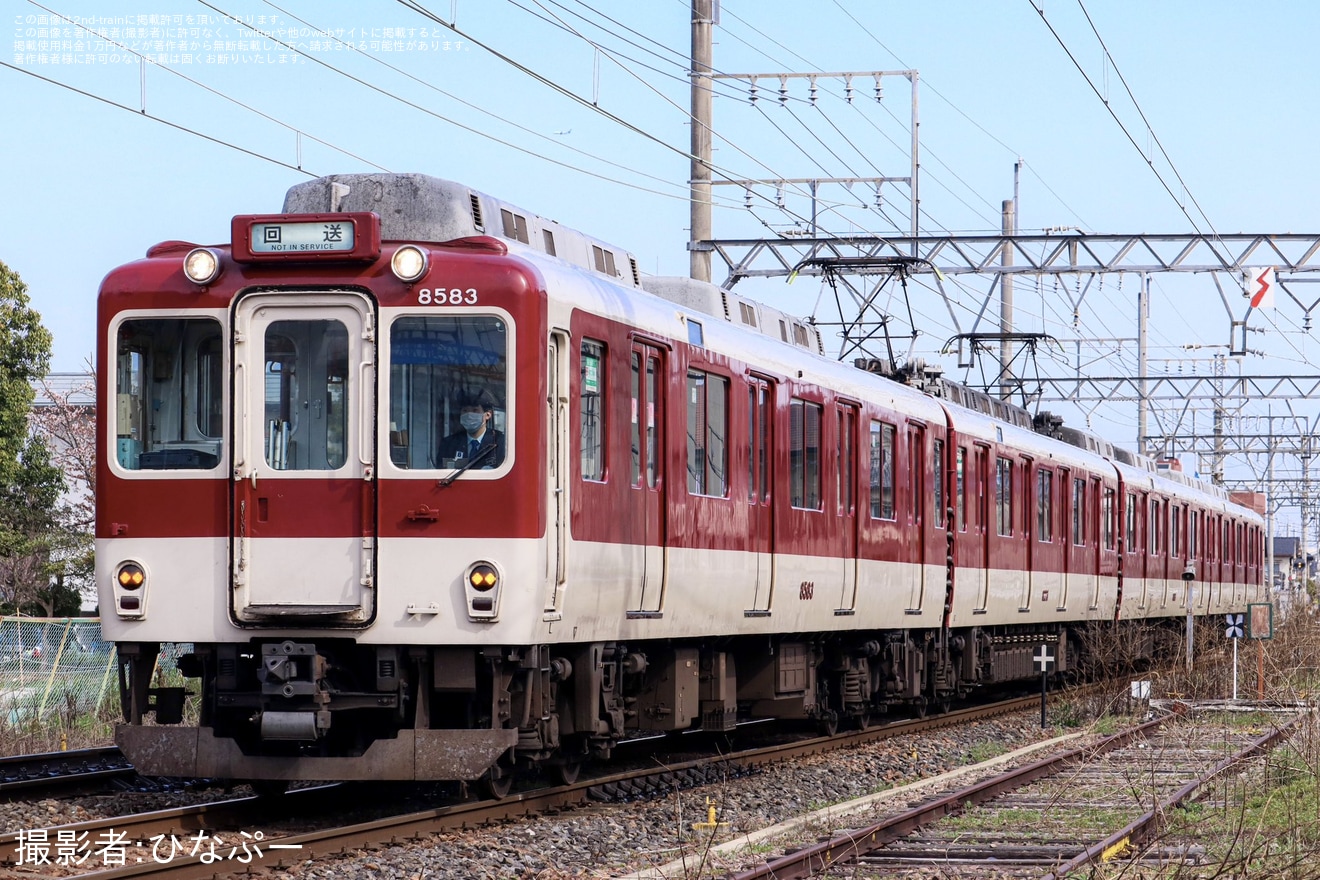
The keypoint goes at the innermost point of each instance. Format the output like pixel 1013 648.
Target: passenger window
pixel 169 394
pixel 591 394
pixel 1045 506
pixel 1004 497
pixel 1079 512
pixel 804 422
pixel 882 471
pixel 937 476
pixel 707 433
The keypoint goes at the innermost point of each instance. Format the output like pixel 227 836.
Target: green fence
pixel 52 665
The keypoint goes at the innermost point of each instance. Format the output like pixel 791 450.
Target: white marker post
pixel 1234 632
pixel 1045 663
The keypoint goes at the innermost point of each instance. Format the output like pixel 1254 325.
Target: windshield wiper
pixel 471 462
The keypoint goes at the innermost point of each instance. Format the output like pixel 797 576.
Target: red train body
pixel 683 515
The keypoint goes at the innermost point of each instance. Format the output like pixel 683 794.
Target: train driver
pixel 477 439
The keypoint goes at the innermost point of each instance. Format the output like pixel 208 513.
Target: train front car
pixel 285 417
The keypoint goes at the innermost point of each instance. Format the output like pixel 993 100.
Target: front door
pixel 302 535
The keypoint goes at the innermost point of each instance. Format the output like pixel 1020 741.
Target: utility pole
pixel 1217 461
pixel 1006 303
pixel 1010 224
pixel 701 229
pixel 1143 392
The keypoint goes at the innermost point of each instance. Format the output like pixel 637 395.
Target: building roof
pixel 79 388
pixel 1287 546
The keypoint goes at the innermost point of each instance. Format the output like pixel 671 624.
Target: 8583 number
pixel 455 296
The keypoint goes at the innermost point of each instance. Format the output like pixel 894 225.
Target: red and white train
pixel 677 512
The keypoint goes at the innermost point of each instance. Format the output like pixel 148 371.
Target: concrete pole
pixel 1006 304
pixel 702 23
pixel 1143 393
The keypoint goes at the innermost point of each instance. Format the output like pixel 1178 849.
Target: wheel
pixel 864 720
pixel 828 723
pixel 497 782
pixel 565 772
pixel 920 707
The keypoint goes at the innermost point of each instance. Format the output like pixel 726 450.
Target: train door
pixel 556 460
pixel 982 480
pixel 760 468
pixel 302 539
pixel 648 478
pixel 916 450
pixel 1107 547
pixel 1028 495
pixel 846 499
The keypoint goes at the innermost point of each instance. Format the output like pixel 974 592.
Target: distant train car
pixel 434 488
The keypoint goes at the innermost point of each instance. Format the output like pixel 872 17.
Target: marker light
pixel 131 576
pixel 202 265
pixel 483 577
pixel 481 589
pixel 409 263
pixel 131 590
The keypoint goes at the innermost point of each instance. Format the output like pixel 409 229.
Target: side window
pixel 1045 506
pixel 1154 526
pixel 169 394
pixel 844 470
pixel 1079 512
pixel 1175 533
pixel 707 433
pixel 1004 496
pixel 591 395
pixel 804 421
pixel 1131 542
pixel 1192 529
pixel 937 476
pixel 758 441
pixel 882 471
pixel 1107 516
pixel 960 510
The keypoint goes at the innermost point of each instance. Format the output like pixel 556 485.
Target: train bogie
pixel 432 503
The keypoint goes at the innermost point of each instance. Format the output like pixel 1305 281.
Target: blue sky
pixel 91 186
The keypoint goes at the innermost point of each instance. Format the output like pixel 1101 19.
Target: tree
pixel 67 424
pixel 30 485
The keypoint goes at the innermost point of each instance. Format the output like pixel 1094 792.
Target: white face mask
pixel 471 421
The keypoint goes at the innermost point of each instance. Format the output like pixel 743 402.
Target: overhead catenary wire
pixel 142 59
pixel 472 130
pixel 161 120
pixel 477 107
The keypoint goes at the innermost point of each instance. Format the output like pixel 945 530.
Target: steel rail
pixel 48 769
pixel 304 846
pixel 819 857
pixel 1149 824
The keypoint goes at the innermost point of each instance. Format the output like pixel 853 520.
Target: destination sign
pixel 343 235
pixel 291 237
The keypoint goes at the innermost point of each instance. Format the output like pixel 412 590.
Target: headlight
pixel 202 265
pixel 409 263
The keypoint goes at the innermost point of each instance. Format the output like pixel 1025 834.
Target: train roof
pixel 419 207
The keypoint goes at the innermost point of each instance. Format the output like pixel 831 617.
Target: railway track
pixel 1050 818
pixel 28 774
pixel 219 838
